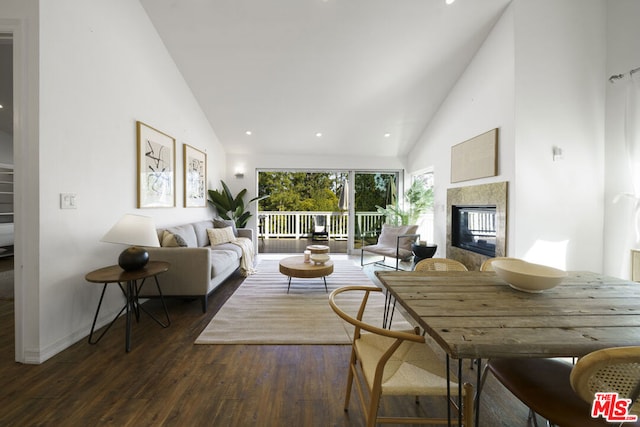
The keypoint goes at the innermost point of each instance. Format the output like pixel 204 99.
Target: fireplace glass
pixel 474 228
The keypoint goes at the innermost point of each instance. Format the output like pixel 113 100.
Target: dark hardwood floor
pixel 166 380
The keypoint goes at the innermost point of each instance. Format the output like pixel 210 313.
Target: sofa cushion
pixel 229 247
pixel 389 236
pixel 200 228
pixel 218 236
pixel 223 223
pixel 220 261
pixel 171 240
pixel 186 233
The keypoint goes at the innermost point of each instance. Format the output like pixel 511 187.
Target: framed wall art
pixel 195 177
pixel 475 158
pixel 156 168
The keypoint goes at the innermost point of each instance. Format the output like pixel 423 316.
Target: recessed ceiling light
pixel 1 106
pixel 319 134
pixel 248 132
pixel 449 1
pixel 387 135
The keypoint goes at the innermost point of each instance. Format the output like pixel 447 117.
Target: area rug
pixel 261 311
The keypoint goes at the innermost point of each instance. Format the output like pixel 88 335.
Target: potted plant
pixel 230 206
pixel 418 199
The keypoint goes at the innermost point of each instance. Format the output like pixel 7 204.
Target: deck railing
pixel 301 224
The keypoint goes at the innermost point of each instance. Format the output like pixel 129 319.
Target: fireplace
pixel 474 228
pixel 477 223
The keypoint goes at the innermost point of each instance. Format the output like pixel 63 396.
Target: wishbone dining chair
pixel 400 363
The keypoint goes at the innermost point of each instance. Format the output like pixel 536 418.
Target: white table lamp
pixel 136 230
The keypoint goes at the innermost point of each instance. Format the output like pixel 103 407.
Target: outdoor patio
pixel 291 245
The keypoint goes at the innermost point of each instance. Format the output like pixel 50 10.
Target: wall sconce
pixel 557 154
pixel 239 174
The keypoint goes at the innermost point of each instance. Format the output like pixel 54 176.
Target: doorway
pixel 336 208
pixel 6 167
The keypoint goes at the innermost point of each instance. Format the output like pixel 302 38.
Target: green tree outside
pixel 320 191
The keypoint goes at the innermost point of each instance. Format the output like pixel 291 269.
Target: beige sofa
pixel 197 268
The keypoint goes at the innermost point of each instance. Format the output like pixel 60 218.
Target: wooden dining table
pixel 476 315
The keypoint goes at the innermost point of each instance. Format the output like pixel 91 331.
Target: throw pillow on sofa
pixel 170 240
pixel 187 233
pixel 218 236
pixel 224 223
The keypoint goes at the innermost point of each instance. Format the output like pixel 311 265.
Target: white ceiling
pixel 353 70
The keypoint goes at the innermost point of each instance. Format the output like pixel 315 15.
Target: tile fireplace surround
pixel 485 194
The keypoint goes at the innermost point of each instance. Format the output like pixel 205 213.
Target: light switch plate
pixel 68 201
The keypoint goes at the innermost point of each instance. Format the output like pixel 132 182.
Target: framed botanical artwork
pixel 195 177
pixel 156 168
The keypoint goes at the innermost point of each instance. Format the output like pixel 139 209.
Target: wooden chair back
pixel 439 264
pixel 415 369
pixel 609 370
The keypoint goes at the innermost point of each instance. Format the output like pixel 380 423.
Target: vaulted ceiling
pixel 367 75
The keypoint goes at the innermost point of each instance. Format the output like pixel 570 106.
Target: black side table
pixel 130 289
pixel 421 252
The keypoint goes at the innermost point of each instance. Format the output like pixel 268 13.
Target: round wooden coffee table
pixel 294 266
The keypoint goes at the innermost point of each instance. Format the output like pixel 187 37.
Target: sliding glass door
pixel 342 203
pixel 372 189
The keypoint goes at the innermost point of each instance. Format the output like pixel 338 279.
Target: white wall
pixel 623 55
pixel 560 97
pixel 481 100
pixel 102 67
pixel 544 60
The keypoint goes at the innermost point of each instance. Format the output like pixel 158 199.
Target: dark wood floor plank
pixel 167 380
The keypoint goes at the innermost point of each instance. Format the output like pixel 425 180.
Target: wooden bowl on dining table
pixel 528 277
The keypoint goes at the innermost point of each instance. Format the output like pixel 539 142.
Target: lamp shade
pixel 133 229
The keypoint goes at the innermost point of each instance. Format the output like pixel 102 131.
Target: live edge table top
pixel 296 267
pixel 475 314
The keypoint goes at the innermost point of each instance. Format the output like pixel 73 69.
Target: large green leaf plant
pixel 418 198
pixel 230 206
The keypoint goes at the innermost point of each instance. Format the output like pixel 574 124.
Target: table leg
pixel 135 306
pixel 478 389
pixel 289 286
pixel 325 284
pixel 448 391
pixel 389 309
pixel 130 295
pixel 459 392
pixel 164 306
pixel 95 318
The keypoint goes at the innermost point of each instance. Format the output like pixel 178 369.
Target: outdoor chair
pixel 393 242
pixel 320 228
pixel 440 264
pixel 563 393
pixel 399 363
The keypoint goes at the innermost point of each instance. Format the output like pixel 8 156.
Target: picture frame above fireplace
pixel 475 158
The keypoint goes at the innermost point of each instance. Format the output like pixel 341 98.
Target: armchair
pixel 393 242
